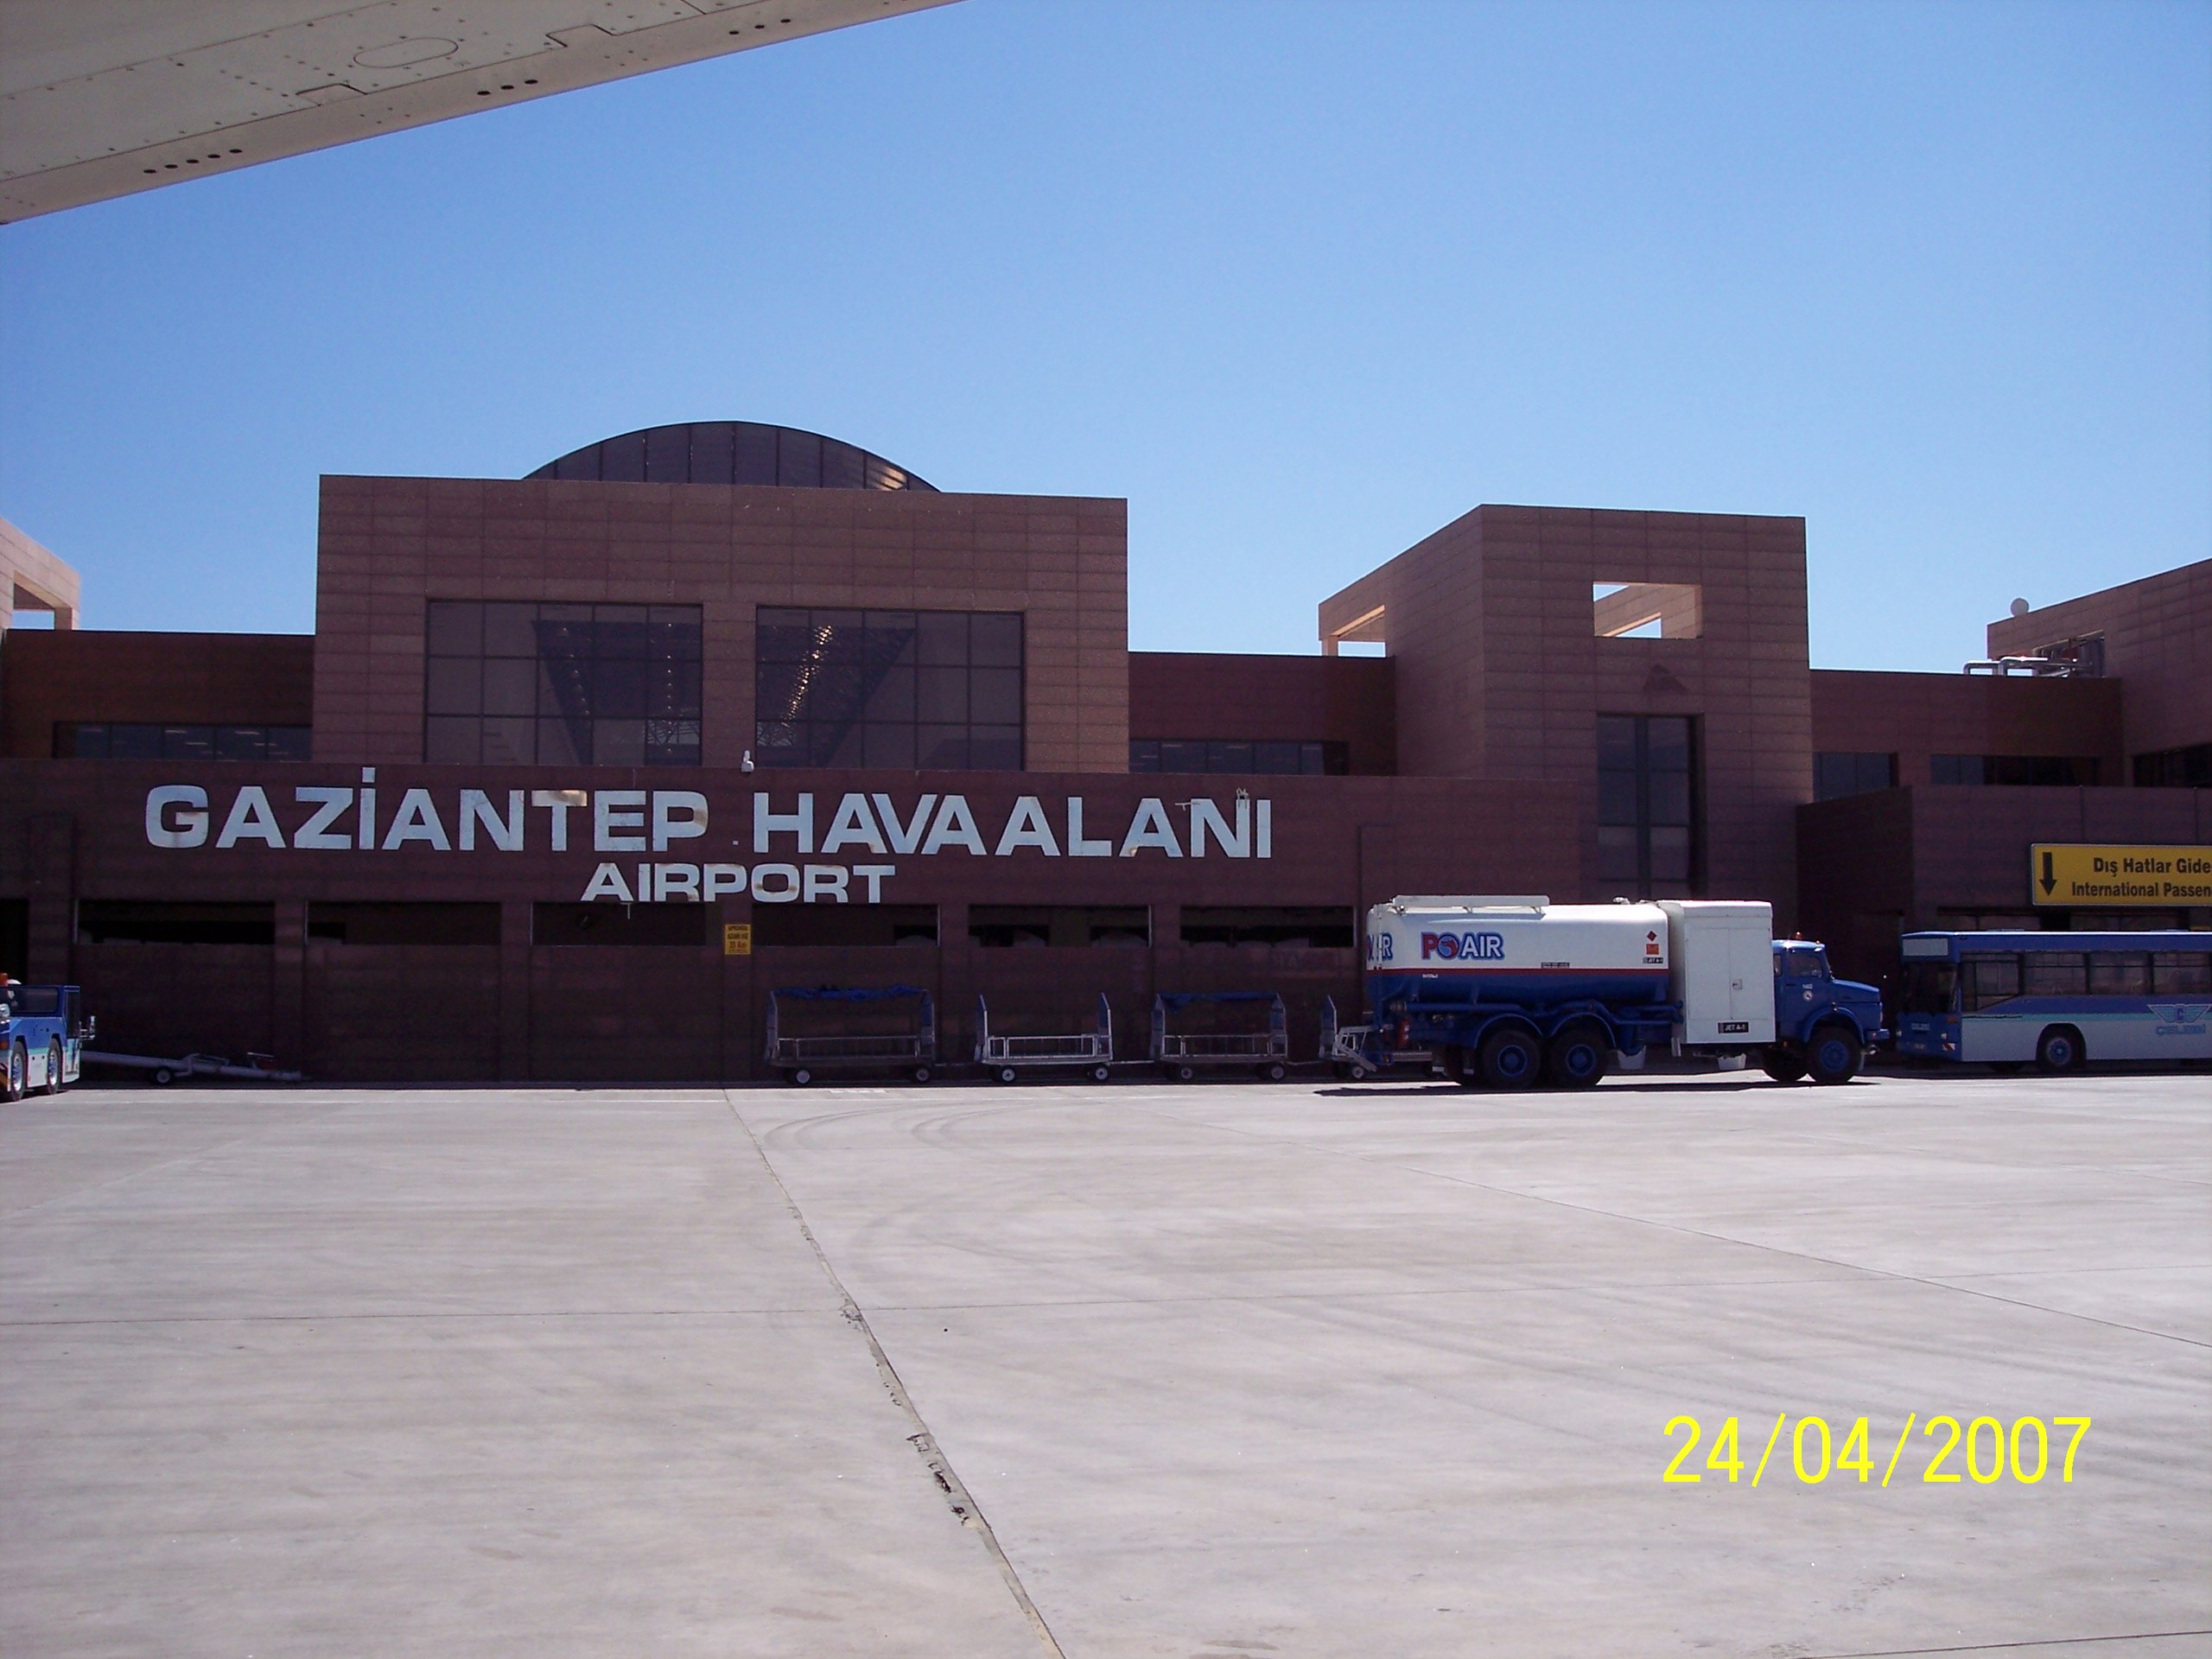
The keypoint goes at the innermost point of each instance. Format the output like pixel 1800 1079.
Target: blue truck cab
pixel 1817 1017
pixel 43 1030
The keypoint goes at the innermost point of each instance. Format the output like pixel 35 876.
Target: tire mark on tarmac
pixel 955 1491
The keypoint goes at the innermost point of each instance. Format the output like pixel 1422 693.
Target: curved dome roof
pixel 731 452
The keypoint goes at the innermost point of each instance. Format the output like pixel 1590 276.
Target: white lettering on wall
pixel 177 815
pixel 614 815
pixel 854 826
pixel 316 832
pixel 679 815
pixel 250 820
pixel 800 825
pixel 476 809
pixel 1150 828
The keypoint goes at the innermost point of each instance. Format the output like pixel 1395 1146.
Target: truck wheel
pixel 1576 1056
pixel 2060 1049
pixel 19 1071
pixel 1510 1058
pixel 1833 1054
pixel 53 1066
pixel 1782 1065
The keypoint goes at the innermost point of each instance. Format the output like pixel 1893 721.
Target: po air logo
pixel 1463 947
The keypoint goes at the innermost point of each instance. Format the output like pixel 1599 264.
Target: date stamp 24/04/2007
pixel 2025 1450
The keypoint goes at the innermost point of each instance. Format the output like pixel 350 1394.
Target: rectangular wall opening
pixel 1030 927
pixel 1308 927
pixel 843 927
pixel 595 924
pixel 1647 610
pixel 403 923
pixel 153 921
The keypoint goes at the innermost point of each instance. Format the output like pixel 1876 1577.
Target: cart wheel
pixel 1274 1071
pixel 1099 1074
pixel 1006 1074
pixel 800 1076
pixel 1185 1073
pixel 163 1075
pixel 1357 1072
pixel 920 1074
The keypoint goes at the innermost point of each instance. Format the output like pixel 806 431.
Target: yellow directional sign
pixel 2110 877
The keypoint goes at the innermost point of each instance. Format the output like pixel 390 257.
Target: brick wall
pixel 2158 643
pixel 210 679
pixel 388 546
pixel 1915 715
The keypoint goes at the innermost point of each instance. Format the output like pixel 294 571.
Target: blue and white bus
pixel 2060 1000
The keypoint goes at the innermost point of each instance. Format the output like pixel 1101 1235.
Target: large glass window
pixel 930 690
pixel 1647 804
pixel 606 685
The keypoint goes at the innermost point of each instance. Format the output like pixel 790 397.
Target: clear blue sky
pixel 1302 281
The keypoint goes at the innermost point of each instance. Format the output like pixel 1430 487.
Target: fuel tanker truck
pixel 1506 992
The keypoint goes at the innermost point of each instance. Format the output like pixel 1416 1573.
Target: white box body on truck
pixel 1721 972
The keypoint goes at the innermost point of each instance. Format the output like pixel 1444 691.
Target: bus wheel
pixel 2059 1049
pixel 1510 1058
pixel 1782 1065
pixel 53 1066
pixel 19 1071
pixel 1576 1057
pixel 1833 1054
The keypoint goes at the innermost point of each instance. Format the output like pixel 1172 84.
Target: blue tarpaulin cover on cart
pixel 1185 999
pixel 849 993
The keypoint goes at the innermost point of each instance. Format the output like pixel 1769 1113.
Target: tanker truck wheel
pixel 1833 1054
pixel 1576 1056
pixel 1510 1058
pixel 1782 1065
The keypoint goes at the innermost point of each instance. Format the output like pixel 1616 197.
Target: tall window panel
pixel 1647 804
pixel 604 685
pixel 915 690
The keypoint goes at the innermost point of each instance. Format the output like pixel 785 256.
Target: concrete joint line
pixel 955 1491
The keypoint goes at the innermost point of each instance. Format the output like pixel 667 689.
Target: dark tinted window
pixel 1293 926
pixel 904 688
pixel 83 739
pixel 1647 804
pixel 1264 757
pixel 1837 774
pixel 517 682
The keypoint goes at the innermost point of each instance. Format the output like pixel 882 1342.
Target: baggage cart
pixel 1007 1057
pixel 803 1059
pixel 1183 1054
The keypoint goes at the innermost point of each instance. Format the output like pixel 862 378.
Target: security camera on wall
pixel 745 764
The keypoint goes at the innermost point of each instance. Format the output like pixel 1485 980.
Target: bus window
pixel 1990 980
pixel 2057 973
pixel 2181 973
pixel 1928 986
pixel 2120 973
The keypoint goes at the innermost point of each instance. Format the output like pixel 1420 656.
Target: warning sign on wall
pixel 2118 877
pixel 737 938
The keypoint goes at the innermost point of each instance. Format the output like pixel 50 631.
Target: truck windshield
pixel 1930 986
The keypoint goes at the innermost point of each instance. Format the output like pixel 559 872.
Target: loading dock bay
pixel 1300 1369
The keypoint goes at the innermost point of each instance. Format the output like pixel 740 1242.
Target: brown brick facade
pixel 388 545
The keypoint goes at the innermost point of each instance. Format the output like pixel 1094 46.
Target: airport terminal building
pixel 578 768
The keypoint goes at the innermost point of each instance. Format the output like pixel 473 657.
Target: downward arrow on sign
pixel 2048 880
